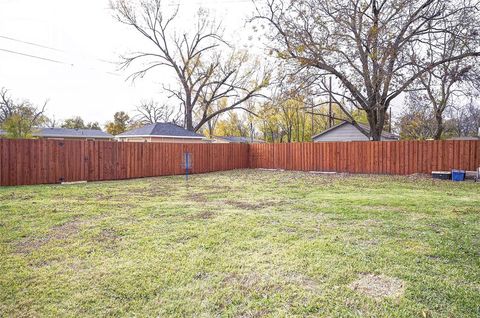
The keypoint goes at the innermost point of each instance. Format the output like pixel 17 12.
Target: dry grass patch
pixel 60 232
pixel 379 286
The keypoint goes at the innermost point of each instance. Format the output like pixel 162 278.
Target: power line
pixel 52 60
pixel 35 57
pixel 30 43
pixel 50 48
pixel 45 58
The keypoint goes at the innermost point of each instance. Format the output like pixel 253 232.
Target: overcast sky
pixel 83 39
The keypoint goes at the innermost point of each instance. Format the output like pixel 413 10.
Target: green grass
pixel 241 243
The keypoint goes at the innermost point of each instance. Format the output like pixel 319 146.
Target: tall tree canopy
pixel 205 67
pixel 119 123
pixel 78 123
pixel 375 49
pixel 19 118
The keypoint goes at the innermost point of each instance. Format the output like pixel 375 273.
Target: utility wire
pixel 35 57
pixel 30 43
pixel 53 61
pixel 44 58
pixel 49 47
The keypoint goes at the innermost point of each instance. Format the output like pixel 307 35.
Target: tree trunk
pixel 188 119
pixel 375 135
pixel 376 120
pixel 439 128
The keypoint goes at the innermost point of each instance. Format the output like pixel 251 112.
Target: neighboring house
pixel 236 140
pixel 348 132
pixel 2 133
pixel 71 134
pixel 162 132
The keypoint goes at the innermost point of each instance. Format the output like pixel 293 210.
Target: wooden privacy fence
pixel 381 157
pixel 24 162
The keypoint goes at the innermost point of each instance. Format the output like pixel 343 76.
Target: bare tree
pixel 7 105
pixel 464 120
pixel 52 122
pixel 150 112
pixel 366 45
pixel 204 73
pixel 416 121
pixel 442 83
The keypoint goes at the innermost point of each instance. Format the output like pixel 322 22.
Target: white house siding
pixel 343 133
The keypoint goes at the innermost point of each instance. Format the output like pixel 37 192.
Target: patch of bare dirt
pixel 202 197
pixel 152 190
pixel 108 236
pixel 198 197
pixel 246 205
pixel 251 281
pixel 60 232
pixel 465 210
pixel 379 286
pixel 301 280
pixel 203 215
pixel 253 206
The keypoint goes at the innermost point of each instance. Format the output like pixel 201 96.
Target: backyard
pixel 244 243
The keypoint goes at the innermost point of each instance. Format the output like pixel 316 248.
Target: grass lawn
pixel 243 243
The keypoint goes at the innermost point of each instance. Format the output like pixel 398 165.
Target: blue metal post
pixel 186 165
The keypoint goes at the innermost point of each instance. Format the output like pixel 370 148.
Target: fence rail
pixel 381 157
pixel 26 162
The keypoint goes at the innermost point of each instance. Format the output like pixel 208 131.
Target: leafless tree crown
pixel 376 49
pixel 205 74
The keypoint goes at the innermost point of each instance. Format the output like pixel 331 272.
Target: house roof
pixel 241 140
pixel 385 134
pixel 70 133
pixel 168 130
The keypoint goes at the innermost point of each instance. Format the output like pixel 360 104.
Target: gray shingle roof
pixel 161 130
pixel 70 133
pixel 385 134
pixel 242 140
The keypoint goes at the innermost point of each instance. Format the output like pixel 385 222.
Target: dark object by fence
pixel 442 175
pixel 458 175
